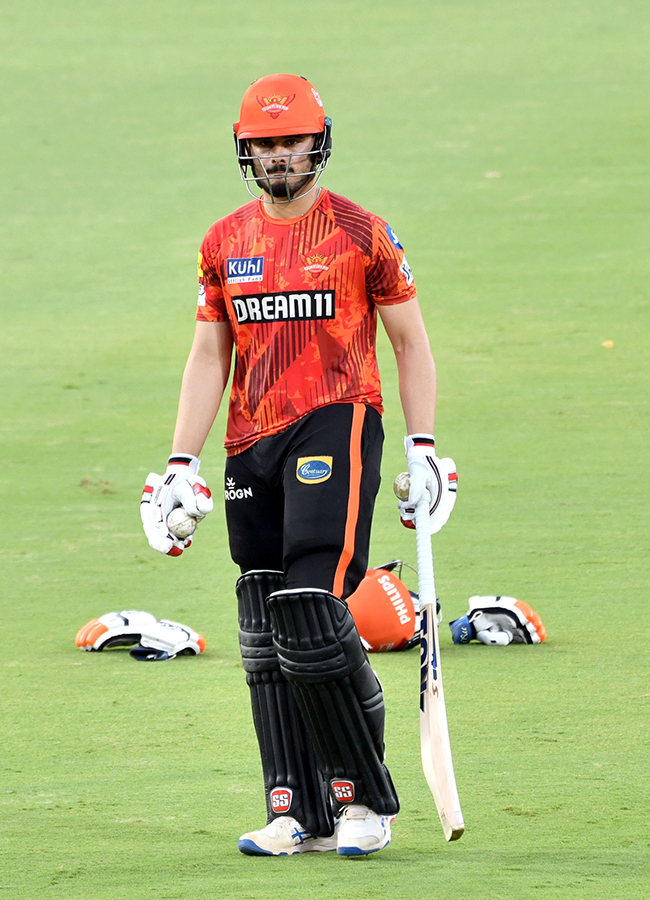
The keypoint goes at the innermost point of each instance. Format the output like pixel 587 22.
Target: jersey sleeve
pixel 389 279
pixel 211 306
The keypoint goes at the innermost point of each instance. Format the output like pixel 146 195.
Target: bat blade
pixel 437 761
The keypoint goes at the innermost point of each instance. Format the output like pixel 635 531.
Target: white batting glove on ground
pixel 118 629
pixel 498 620
pixel 430 476
pixel 179 486
pixel 165 640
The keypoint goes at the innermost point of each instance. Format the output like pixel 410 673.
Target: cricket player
pixel 290 286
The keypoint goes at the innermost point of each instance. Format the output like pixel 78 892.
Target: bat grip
pixel 426 582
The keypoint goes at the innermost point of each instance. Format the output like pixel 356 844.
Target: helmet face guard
pixel 282 106
pixel 319 156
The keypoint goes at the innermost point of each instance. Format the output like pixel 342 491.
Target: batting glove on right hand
pixel 498 620
pixel 428 476
pixel 179 486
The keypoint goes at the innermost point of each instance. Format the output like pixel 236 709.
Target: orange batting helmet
pixel 279 105
pixel 384 612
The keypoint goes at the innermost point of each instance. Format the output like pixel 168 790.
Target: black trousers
pixel 302 501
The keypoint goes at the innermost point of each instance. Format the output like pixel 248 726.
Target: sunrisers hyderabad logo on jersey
pixel 314 469
pixel 316 265
pixel 274 105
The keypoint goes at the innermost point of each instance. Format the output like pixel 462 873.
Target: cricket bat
pixel 434 731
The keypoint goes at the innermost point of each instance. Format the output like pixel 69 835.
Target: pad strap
pixel 293 782
pixel 338 694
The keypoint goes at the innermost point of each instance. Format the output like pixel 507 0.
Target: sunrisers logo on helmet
pixel 290 102
pixel 275 105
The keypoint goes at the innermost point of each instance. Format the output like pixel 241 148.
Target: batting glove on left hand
pixel 179 486
pixel 428 476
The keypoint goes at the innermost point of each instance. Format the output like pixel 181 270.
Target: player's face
pixel 283 166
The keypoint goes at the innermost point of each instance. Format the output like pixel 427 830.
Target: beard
pixel 280 183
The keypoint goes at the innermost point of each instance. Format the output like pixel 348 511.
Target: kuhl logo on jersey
pixel 285 307
pixel 314 469
pixel 242 270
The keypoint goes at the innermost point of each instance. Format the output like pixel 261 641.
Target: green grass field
pixel 507 144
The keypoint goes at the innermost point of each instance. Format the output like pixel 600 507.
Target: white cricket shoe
pixel 360 831
pixel 283 836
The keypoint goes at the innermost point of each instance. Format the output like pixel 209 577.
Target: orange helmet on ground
pixel 275 106
pixel 384 611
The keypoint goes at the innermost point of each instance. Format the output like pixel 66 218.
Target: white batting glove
pixel 498 620
pixel 179 486
pixel 165 639
pixel 431 477
pixel 118 629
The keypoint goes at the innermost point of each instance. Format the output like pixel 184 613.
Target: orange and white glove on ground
pixel 165 640
pixel 498 620
pixel 117 629
pixel 179 486
pixel 430 476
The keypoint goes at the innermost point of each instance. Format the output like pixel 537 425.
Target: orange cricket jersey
pixel 300 296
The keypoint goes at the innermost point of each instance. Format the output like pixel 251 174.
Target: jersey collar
pixel 273 221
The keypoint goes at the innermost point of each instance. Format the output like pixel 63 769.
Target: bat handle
pixel 426 582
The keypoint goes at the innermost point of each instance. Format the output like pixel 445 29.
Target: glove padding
pixel 117 629
pixel 165 640
pixel 179 486
pixel 498 620
pixel 430 476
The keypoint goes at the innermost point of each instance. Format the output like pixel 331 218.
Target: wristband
pixel 185 459
pixel 426 441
